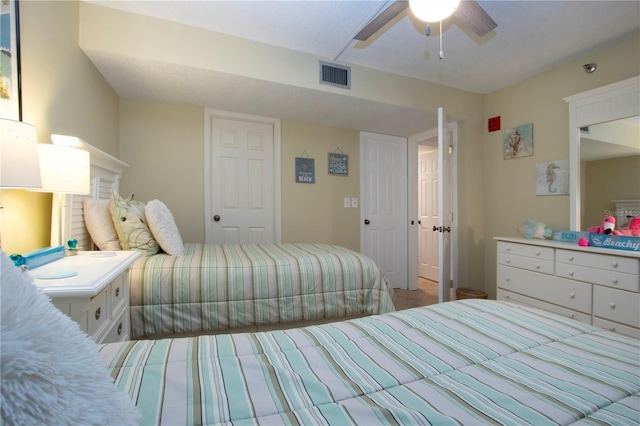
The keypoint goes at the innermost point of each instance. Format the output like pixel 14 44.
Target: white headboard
pixel 106 172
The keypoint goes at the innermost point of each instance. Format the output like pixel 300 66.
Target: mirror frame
pixel 612 102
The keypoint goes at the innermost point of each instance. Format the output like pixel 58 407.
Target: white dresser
pixel 596 286
pixel 97 296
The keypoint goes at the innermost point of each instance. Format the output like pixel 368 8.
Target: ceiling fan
pixel 468 11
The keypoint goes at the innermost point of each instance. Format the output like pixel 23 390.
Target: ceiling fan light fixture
pixel 433 10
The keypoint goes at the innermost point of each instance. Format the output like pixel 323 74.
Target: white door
pixel 383 211
pixel 445 207
pixel 240 201
pixel 428 215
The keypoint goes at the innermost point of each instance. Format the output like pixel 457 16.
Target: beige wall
pixel 509 185
pixel 315 212
pixel 163 145
pixel 62 92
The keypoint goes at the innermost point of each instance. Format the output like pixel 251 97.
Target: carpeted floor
pixel 426 294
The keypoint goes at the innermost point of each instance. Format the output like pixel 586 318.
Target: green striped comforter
pixel 468 362
pixel 219 287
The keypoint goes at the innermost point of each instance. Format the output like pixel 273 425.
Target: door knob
pixel 217 218
pixel 366 221
pixel 435 228
pixel 448 229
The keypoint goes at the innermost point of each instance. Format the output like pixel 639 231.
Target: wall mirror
pixel 602 124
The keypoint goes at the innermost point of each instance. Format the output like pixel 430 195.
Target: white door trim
pixel 277 154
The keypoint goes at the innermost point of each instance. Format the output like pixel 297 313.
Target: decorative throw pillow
pixel 164 228
pixel 99 224
pixel 51 371
pixel 131 226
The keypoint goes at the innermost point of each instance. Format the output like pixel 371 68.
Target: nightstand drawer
pixel 614 279
pixel 120 330
pixel 97 313
pixel 617 305
pixel 119 292
pixel 536 252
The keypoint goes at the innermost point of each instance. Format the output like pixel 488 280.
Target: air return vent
pixel 335 75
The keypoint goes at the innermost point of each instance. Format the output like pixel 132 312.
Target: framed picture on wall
pixel 338 164
pixel 518 141
pixel 552 178
pixel 305 170
pixel 10 102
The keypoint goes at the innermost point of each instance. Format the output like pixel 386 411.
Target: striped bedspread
pixel 219 287
pixel 469 362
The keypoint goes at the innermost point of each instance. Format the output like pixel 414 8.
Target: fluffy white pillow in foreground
pixel 51 372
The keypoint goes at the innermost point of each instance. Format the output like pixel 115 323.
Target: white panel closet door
pixel 428 181
pixel 241 183
pixel 384 204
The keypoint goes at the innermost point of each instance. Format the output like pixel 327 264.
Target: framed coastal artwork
pixel 338 164
pixel 305 170
pixel 518 142
pixel 10 103
pixel 552 178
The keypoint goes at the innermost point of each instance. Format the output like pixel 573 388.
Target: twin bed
pixel 213 288
pixel 467 362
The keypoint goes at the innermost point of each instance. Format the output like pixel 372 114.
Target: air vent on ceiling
pixel 335 75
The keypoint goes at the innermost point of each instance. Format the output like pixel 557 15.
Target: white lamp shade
pixel 19 165
pixel 433 10
pixel 64 170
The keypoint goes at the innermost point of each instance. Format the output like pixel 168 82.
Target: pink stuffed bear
pixel 631 230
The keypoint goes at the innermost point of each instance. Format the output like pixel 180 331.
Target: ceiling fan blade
pixel 381 20
pixel 470 12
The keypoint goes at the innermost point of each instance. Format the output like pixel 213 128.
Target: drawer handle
pixel 537 266
pixel 614 264
pixel 117 291
pixel 507 279
pixel 508 260
pixel 614 280
pixel 98 314
pixel 612 328
pixel 507 296
pixel 612 305
pixel 572 316
pixel 508 248
pixel 571 258
pixel 119 329
pixel 572 295
pixel 537 252
pixel 570 273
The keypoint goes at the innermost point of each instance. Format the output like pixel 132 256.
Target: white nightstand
pixel 97 298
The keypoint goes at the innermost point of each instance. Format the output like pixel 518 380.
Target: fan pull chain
pixel 428 30
pixel 441 35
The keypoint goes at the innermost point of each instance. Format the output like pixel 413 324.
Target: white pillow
pixel 99 224
pixel 164 228
pixel 51 371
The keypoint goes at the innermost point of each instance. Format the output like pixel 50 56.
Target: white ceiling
pixel 531 37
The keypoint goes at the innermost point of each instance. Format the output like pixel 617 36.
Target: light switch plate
pixel 354 202
pixel 347 202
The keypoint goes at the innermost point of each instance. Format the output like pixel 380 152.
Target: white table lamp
pixel 20 168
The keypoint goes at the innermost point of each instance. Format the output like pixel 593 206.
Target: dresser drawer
pixel 617 305
pixel 606 262
pixel 518 298
pixel 609 278
pixel 536 252
pixel 530 263
pixel 617 327
pixel 574 295
pixel 97 313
